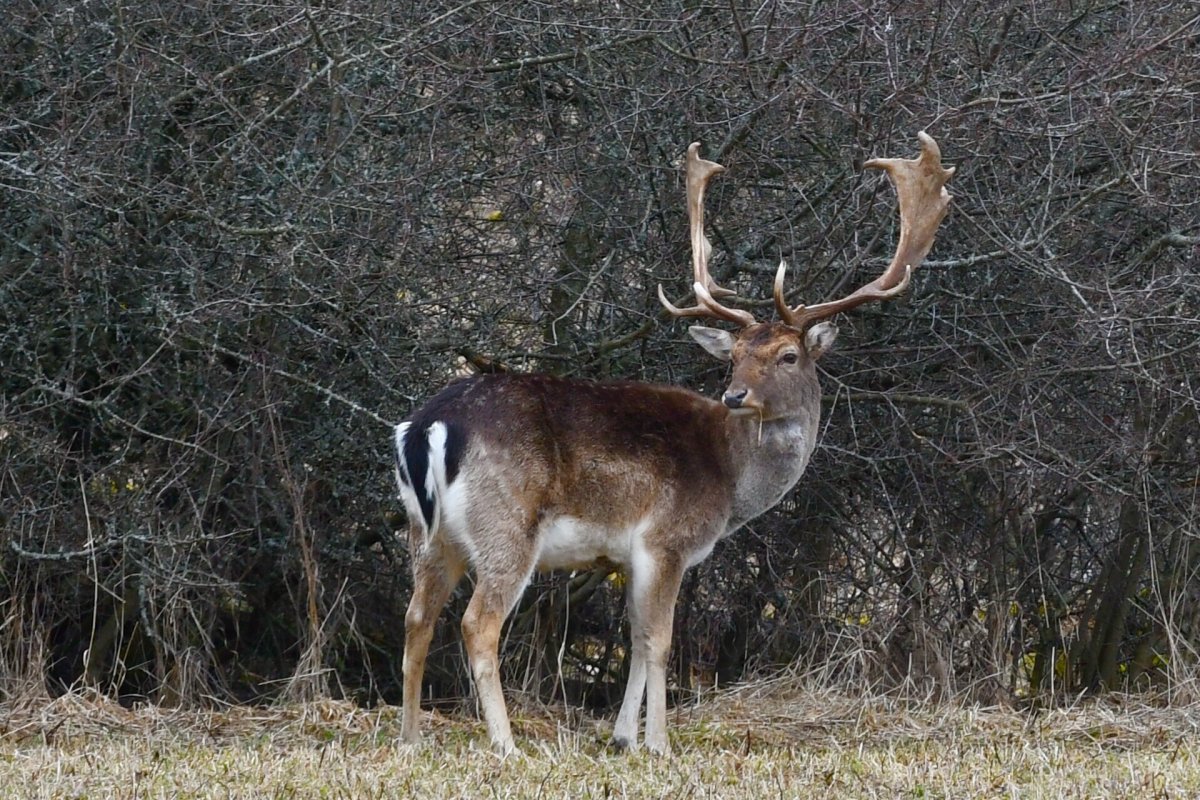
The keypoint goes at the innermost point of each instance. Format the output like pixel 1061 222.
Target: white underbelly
pixel 566 542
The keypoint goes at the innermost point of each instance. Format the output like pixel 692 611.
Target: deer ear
pixel 716 341
pixel 819 339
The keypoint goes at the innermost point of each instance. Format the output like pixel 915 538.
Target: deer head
pixel 769 359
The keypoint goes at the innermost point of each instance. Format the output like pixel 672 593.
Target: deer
pixel 505 474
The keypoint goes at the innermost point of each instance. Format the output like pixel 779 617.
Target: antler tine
pixel 699 172
pixel 707 307
pixel 921 191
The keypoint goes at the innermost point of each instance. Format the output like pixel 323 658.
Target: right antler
pixel 920 186
pixel 706 289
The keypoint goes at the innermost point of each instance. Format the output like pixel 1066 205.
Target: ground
pixel 773 739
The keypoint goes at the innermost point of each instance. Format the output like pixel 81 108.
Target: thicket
pixel 238 240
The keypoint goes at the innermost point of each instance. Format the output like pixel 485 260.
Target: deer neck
pixel 769 457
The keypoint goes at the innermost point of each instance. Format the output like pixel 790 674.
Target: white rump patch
pixel 455 500
pixel 400 432
pixel 407 496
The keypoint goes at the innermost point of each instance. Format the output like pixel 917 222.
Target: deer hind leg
pixel 435 574
pixel 653 589
pixel 496 592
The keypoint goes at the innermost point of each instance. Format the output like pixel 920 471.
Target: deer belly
pixel 569 543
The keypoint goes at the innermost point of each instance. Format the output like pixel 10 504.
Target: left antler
pixel 699 172
pixel 920 186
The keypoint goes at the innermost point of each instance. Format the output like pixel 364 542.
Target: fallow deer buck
pixel 505 474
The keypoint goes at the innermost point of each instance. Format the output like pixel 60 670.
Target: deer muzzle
pixel 736 398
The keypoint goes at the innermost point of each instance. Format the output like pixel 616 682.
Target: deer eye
pixel 789 358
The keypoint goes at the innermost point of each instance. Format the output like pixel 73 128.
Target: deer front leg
pixel 653 589
pixel 625 731
pixel 660 618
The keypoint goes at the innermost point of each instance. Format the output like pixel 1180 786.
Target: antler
pixel 706 289
pixel 920 187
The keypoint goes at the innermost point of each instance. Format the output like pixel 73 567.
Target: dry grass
pixel 769 740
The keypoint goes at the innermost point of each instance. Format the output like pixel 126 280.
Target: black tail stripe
pixel 456 445
pixel 416 458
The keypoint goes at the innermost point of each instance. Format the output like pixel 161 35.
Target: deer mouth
pixel 750 409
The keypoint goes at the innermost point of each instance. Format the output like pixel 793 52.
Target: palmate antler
pixel 921 189
pixel 699 172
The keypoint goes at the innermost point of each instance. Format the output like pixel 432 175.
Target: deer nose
pixel 734 399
